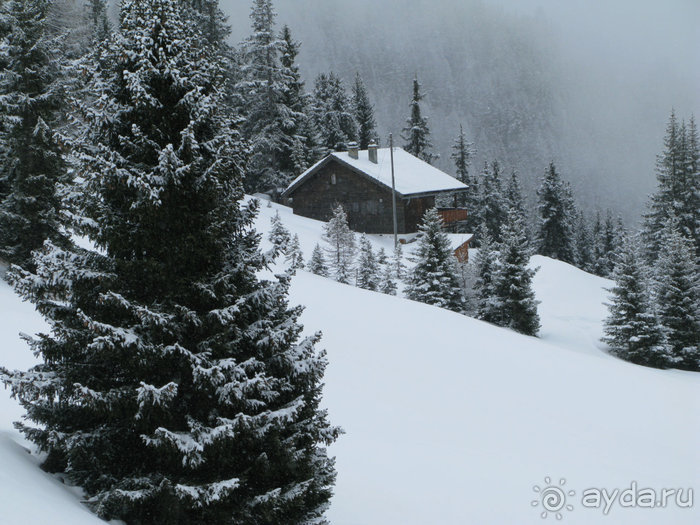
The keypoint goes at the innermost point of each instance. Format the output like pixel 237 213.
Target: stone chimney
pixel 372 151
pixel 353 150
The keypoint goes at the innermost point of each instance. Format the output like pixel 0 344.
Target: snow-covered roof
pixel 412 175
pixel 458 239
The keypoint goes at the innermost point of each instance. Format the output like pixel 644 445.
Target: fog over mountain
pixel 586 83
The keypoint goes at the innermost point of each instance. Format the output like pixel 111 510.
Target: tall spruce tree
pixel 631 328
pixel 601 262
pixel 678 187
pixel 174 387
pixel 583 243
pixel 211 21
pixel 5 30
pixel 555 232
pixel 512 283
pixel 462 153
pixel 493 208
pixel 433 279
pixel 677 295
pixel 261 90
pixel 416 133
pixel 364 113
pixel 301 144
pixel 271 91
pixel 513 195
pixel 99 19
pixel 32 168
pixel 692 178
pixel 333 113
pixel 611 239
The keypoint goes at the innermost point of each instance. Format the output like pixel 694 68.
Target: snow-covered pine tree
pixel 462 153
pixel 555 234
pixel 512 282
pixel 397 263
pixel 332 113
pixel 382 258
pixel 340 249
pixel 678 191
pixel 364 113
pixel 367 266
pixel 387 282
pixel 174 387
pixel 513 195
pixel 272 98
pixel 433 279
pixel 677 297
pixel 211 21
pixel 488 306
pixel 610 241
pixel 99 19
pixel 583 243
pixel 417 133
pixel 571 213
pixel 692 178
pixel 302 148
pixel 69 23
pixel 293 255
pixel 5 30
pixel 317 263
pixel 631 328
pixel 279 236
pixel 601 259
pixel 32 168
pixel 261 91
pixel 493 208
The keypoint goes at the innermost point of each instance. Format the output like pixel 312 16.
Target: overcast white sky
pixel 626 33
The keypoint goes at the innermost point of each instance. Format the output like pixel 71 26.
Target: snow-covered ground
pixel 450 420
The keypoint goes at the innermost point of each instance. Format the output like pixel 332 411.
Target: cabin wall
pixel 414 211
pixel 367 204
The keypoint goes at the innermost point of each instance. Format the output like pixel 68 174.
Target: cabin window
pixel 333 178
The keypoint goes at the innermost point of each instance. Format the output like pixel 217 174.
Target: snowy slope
pixel 450 420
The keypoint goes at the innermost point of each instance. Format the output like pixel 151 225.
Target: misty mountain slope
pixel 448 419
pixel 589 85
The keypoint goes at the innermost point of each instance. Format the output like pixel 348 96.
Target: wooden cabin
pixel 360 180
